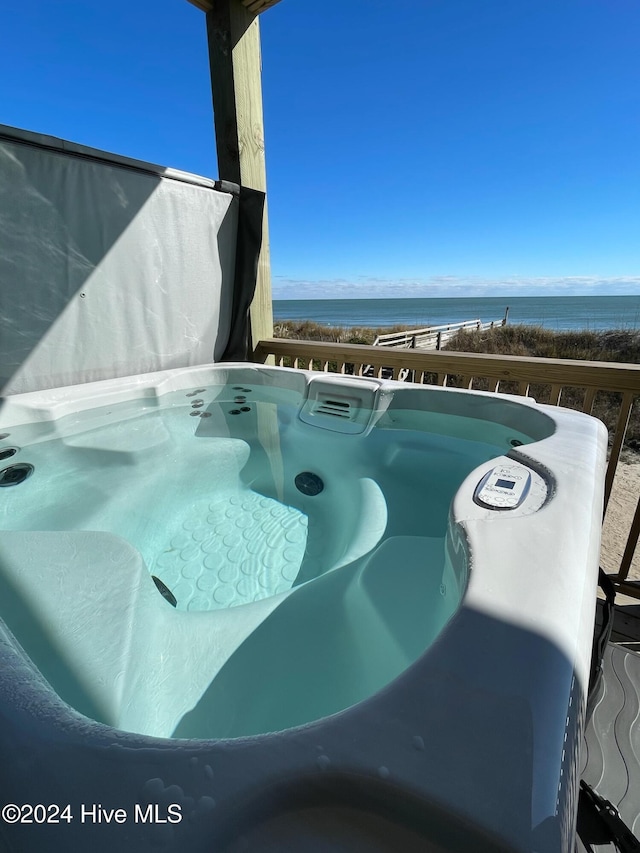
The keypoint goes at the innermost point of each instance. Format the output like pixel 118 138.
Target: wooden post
pixel 233 35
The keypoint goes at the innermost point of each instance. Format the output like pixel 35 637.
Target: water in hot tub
pixel 230 499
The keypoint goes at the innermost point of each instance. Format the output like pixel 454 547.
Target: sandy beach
pixel 620 512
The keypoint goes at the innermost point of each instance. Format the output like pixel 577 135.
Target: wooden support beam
pixel 257 6
pixel 236 84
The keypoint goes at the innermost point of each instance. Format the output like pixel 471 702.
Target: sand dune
pixel 620 512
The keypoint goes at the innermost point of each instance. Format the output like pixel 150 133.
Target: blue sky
pixel 414 148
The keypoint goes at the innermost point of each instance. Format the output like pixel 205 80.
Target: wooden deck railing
pixel 549 379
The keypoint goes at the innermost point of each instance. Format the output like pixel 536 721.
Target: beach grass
pixel 307 330
pixel 621 345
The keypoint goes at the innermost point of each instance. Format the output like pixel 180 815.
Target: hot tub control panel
pixel 504 487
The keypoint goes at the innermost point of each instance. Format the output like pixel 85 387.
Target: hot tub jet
pixel 15 474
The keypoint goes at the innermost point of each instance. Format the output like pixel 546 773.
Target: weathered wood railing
pixel 433 337
pixel 551 377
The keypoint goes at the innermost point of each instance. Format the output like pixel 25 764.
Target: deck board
pixel 610 760
pixel 611 746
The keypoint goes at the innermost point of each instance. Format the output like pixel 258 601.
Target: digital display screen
pixel 505 484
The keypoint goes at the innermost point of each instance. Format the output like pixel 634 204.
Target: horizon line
pixel 351 298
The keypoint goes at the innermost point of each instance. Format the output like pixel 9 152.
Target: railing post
pixel 618 440
pixel 630 548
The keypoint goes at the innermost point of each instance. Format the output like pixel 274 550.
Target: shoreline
pixel 558 313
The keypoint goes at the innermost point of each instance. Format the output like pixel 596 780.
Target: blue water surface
pixel 551 312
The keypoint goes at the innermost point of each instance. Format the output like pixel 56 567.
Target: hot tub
pixel 250 608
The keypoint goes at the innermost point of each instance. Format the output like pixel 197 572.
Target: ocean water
pixel 552 312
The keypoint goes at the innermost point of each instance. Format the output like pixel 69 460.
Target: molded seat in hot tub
pixel 242 546
pixel 123 655
pixel 332 643
pixel 88 613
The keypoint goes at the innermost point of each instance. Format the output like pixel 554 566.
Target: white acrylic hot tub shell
pixel 482 730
